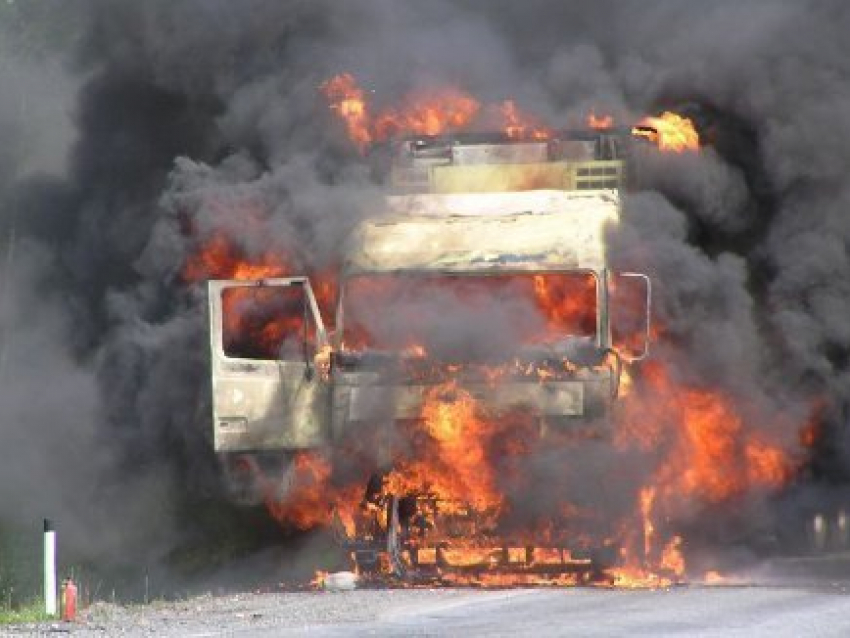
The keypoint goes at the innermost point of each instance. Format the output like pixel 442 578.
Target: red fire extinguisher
pixel 69 601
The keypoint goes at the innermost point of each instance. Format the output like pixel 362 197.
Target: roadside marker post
pixel 49 568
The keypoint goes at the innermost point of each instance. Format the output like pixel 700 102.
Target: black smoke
pixel 192 113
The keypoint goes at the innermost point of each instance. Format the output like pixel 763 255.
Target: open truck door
pixel 267 395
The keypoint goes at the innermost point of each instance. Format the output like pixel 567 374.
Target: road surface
pixel 803 605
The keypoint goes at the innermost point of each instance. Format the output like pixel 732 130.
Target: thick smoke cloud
pixel 202 118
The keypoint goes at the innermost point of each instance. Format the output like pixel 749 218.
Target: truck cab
pixel 487 267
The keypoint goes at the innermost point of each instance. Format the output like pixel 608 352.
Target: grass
pixel 21 600
pixel 32 612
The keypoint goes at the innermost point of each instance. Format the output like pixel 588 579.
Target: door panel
pixel 266 391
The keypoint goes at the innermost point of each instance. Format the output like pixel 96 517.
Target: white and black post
pixel 49 568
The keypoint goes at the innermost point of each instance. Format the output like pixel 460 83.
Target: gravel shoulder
pixel 253 614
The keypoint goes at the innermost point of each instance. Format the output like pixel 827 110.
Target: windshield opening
pixel 463 317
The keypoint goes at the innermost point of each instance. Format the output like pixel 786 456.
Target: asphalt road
pixel 683 612
pixel 785 599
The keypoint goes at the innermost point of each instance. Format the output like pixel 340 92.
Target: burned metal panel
pixel 581 150
pixel 265 404
pixel 410 179
pixel 501 203
pixel 516 153
pixel 529 172
pixel 268 406
pixel 492 178
pixel 469 232
pixel 557 398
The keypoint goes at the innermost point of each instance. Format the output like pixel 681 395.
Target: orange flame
pixel 305 496
pixel 307 504
pixel 715 457
pixel 454 464
pixel 670 132
pixel 436 112
pixel 255 321
pixel 421 114
pixel 427 114
pixel 346 98
pixel 599 122
pixel 219 258
pixel 520 126
pixel 711 458
pixel 569 303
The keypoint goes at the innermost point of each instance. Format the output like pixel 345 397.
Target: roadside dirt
pixel 246 614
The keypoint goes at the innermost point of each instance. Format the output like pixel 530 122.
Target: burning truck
pixel 476 323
